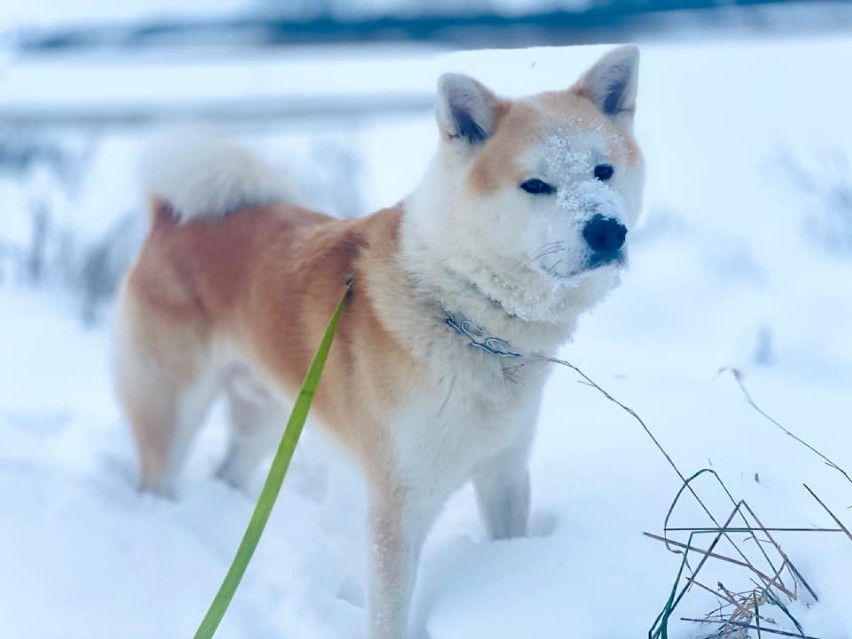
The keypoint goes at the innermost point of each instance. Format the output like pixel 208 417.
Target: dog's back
pixel 231 291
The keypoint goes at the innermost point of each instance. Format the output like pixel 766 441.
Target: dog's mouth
pixel 608 258
pixel 593 262
pixel 598 261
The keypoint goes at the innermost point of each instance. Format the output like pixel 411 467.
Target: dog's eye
pixel 537 187
pixel 603 172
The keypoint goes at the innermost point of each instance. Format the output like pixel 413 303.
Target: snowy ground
pixel 723 273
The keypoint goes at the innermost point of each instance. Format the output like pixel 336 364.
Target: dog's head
pixel 540 191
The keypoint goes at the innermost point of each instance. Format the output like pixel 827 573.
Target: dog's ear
pixel 466 110
pixel 611 84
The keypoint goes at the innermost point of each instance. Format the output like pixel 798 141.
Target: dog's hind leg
pixel 257 419
pixel 165 383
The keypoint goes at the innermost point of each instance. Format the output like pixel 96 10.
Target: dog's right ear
pixel 466 110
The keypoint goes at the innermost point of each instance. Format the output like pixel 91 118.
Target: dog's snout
pixel 604 234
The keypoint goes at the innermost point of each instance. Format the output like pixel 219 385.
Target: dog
pixel 459 294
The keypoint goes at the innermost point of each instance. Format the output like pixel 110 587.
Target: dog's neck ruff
pixel 479 337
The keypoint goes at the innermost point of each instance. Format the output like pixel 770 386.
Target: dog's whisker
pixel 551 270
pixel 550 248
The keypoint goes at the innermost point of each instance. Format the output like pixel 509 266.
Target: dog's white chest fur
pixel 475 405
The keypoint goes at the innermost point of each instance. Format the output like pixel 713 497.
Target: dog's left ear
pixel 611 84
pixel 465 109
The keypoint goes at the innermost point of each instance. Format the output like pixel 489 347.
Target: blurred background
pixel 82 82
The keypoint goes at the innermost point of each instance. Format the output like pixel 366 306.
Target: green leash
pixel 274 479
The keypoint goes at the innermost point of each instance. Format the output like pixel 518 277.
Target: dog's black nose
pixel 604 234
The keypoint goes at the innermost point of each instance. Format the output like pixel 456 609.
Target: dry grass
pixel 767 579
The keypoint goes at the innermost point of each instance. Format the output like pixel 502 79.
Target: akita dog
pixel 459 293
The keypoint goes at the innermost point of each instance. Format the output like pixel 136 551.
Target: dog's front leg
pixel 502 485
pixel 400 519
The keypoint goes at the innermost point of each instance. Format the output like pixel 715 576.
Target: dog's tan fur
pixel 238 300
pixel 265 289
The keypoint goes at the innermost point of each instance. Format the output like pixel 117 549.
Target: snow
pixel 722 273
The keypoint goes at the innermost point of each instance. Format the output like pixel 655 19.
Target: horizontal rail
pixel 234 112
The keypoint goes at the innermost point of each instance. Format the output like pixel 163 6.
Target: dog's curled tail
pixel 195 175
